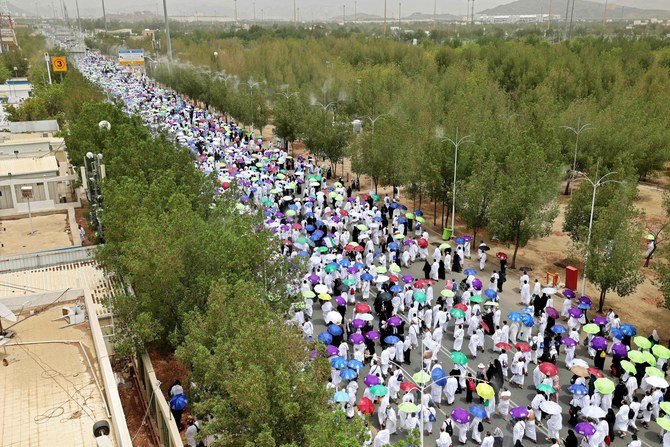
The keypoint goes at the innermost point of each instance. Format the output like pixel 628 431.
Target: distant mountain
pixel 419 16
pixel 584 10
pixel 361 16
pixel 15 11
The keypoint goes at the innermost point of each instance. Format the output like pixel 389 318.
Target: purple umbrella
pixel 358 323
pixel 567 341
pixel 332 350
pixel 352 269
pixel 394 321
pixel 519 412
pixel 313 354
pixel 340 301
pixel 600 320
pixel 314 278
pixel 356 339
pixel 460 415
pixel 371 380
pixel 569 293
pixel 372 335
pixel 407 278
pixel 575 312
pixel 477 284
pixel 599 343
pixel 585 300
pixel 585 428
pixel 553 313
pixel 620 350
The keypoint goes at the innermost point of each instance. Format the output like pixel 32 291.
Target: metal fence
pixel 161 420
pixel 46 258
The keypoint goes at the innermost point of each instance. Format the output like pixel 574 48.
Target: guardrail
pixel 46 258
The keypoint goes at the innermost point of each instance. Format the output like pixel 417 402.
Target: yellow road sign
pixel 59 63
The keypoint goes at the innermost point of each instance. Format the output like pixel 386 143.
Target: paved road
pixel 509 301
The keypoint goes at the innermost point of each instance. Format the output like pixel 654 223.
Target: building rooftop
pixel 23 166
pixel 51 387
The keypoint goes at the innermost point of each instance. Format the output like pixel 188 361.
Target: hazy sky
pixel 283 9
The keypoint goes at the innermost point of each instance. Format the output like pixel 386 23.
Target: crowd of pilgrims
pixel 359 249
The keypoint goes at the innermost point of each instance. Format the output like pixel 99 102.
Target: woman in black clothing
pixel 571 440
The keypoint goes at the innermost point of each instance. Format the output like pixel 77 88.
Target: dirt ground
pixel 50 231
pixel 643 308
pixel 134 412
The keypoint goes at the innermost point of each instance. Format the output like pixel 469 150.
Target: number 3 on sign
pixel 59 63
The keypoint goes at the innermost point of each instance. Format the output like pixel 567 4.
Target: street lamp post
pixel 456 143
pixel 374 118
pixel 252 84
pixel 577 130
pixel 595 183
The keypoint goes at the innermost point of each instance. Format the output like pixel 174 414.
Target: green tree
pixel 612 257
pixel 289 115
pixel 523 205
pixel 326 136
pixel 333 429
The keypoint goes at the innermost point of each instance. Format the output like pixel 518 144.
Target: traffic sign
pixel 59 63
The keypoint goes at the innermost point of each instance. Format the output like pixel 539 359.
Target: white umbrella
pixel 593 412
pixel 550 407
pixel 549 290
pixel 334 317
pixel 381 278
pixel 365 317
pixel 321 288
pixel 657 382
pixel 580 362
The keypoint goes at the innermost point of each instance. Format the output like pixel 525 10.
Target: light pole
pixel 456 143
pixel 374 118
pixel 577 130
pixel 104 14
pixel 252 84
pixel 167 32
pixel 599 182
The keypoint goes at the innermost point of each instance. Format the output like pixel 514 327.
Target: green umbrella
pixel 648 357
pixel 444 246
pixel 591 328
pixel 379 390
pixel 331 268
pixel 394 268
pixel 421 377
pixel 546 388
pixel 457 313
pixel 652 371
pixel 476 299
pixel 636 357
pixel 349 282
pixel 362 227
pixel 275 191
pixel 642 342
pixel 604 385
pixel 408 407
pixel 661 351
pixel 322 249
pixel 409 215
pixel 375 197
pixel 239 206
pixel 628 367
pixel 665 406
pixel 381 269
pixel 448 293
pixel 664 423
pixel 420 219
pixel 459 358
pixel 290 213
pixel 332 194
pixel 419 296
pixel 308 294
pixel 302 240
pixel 398 236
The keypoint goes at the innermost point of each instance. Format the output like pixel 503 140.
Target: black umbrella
pixel 525 269
pixel 385 296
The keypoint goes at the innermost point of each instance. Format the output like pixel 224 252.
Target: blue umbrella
pixel 584 306
pixel 627 329
pixel 355 364
pixel 377 252
pixel 366 277
pixel 335 330
pixel 402 220
pixel 527 320
pixel 391 340
pixel 460 241
pixel 377 219
pixel 393 246
pixel 578 389
pixel 491 294
pixel 403 207
pixel 345 262
pixel 418 213
pixel 359 265
pixel 477 411
pixel 310 227
pixel 515 317
pixel 316 236
pixel 325 338
pixel 617 333
pixel 558 329
pixel 303 253
pixel 397 288
pixel 338 362
pixel 393 206
pixel 178 402
pixel 348 374
pixel 341 397
pixel 528 310
pixel 439 377
pixel 469 272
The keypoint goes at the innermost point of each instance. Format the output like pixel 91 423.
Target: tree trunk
pixel 435 212
pixel 516 248
pixel 474 236
pixel 444 205
pixel 601 301
pixel 376 184
pixel 567 188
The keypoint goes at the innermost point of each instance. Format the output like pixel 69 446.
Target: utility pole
pixel 385 17
pixel 104 14
pixel 76 3
pixel 567 12
pixel 434 14
pixel 295 17
pixel 473 12
pixel 605 17
pixel 254 13
pixel 548 17
pixel 344 14
pixel 235 1
pixel 399 13
pixel 167 31
pixel 355 12
pixel 572 15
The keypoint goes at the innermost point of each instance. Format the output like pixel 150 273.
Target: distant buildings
pixel 518 18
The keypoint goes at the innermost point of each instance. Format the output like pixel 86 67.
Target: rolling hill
pixel 584 10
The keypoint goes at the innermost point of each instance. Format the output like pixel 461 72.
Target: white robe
pixel 554 426
pixel 518 432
